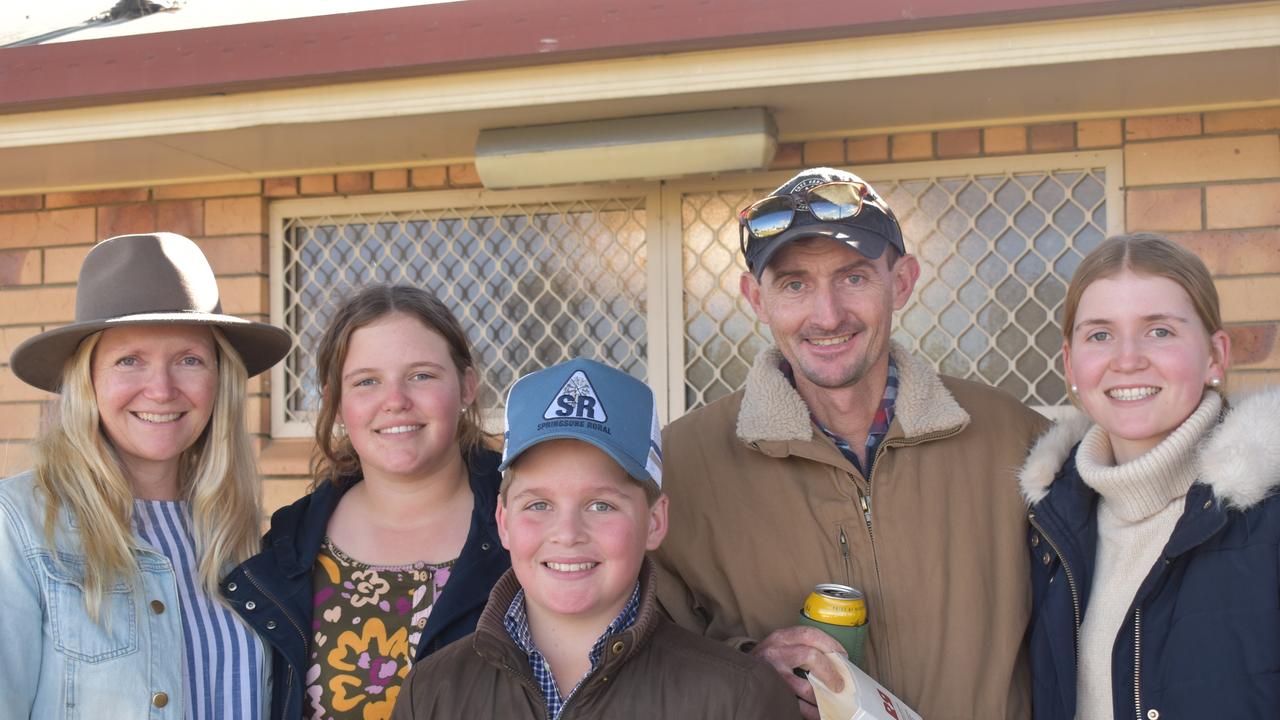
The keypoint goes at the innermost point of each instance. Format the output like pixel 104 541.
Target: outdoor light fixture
pixel 654 146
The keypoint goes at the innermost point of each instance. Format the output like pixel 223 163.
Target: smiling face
pixel 154 386
pixel 577 527
pixel 830 308
pixel 401 398
pixel 1140 358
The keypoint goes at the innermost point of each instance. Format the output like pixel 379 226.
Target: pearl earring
pixel 1215 382
pixel 1075 390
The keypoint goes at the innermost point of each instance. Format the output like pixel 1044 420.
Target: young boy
pixel 574 630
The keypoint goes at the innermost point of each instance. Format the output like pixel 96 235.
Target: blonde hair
pixel 1146 254
pixel 335 457
pixel 77 469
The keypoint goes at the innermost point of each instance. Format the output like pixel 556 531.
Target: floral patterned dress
pixel 367 622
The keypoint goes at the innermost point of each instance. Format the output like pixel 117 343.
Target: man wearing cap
pixel 845 459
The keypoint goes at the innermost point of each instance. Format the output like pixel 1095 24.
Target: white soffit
pixel 1154 34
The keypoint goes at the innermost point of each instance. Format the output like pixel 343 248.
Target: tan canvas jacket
pixel 654 669
pixel 764 507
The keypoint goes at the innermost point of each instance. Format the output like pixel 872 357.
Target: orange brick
pixel 38 304
pixel 350 183
pixel 1249 299
pixel 1241 206
pixel 95 197
pixel 20 267
pixel 1053 138
pixel 388 180
pixel 1005 140
pixel 1233 252
pixel 463 175
pixel 12 337
pixel 185 217
pixel 1254 345
pixel 912 146
pixel 1242 120
pixel 234 216
pixel 208 189
pixel 279 492
pixel 48 227
pixel 286 456
pixel 236 254
pixel 1162 126
pixel 280 187
pixel 19 421
pixel 873 149
pixel 1175 209
pixel 823 152
pixel 14 390
pixel 959 143
pixel 1099 133
pixel 316 184
pixel 788 156
pixel 15 457
pixel 243 295
pixel 21 202
pixel 1240 384
pixel 1202 159
pixel 126 219
pixel 62 265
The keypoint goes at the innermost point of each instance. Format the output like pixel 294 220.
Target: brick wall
pixel 1209 180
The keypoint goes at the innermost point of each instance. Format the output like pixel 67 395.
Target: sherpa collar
pixel 772 410
pixel 1239 459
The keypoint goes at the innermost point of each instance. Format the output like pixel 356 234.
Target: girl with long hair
pixel 393 553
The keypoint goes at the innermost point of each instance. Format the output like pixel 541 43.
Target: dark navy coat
pixel 1202 636
pixel 272 590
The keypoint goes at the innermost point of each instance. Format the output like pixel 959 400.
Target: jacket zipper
pixel 848 559
pixel 1071 580
pixel 288 678
pixel 1137 662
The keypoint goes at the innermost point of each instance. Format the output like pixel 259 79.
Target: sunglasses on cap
pixel 828 202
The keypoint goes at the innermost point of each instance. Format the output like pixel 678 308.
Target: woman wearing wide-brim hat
pixel 143 492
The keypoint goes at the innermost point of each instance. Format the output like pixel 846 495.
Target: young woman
pixel 394 552
pixel 1155 536
pixel 143 492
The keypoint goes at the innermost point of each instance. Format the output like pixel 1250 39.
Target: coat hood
pixel 772 410
pixel 1239 460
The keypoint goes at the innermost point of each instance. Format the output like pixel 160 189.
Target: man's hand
pixel 802 647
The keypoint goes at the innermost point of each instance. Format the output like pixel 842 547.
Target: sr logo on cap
pixel 577 399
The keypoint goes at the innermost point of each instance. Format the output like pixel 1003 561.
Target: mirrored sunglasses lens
pixel 770 217
pixel 835 201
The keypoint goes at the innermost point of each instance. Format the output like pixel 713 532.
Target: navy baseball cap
pixel 869 232
pixel 585 400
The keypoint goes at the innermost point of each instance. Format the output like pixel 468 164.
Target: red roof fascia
pixel 453 37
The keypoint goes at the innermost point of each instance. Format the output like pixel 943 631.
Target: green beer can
pixel 841 612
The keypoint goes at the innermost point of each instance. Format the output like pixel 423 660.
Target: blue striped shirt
pixel 224 659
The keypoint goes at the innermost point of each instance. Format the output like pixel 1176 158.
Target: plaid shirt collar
pixel 517 625
pixel 879 424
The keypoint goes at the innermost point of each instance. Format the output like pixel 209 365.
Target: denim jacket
pixel 57 663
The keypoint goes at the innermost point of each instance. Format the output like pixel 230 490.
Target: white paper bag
pixel 861 699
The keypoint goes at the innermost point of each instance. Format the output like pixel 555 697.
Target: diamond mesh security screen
pixel 532 284
pixel 996 253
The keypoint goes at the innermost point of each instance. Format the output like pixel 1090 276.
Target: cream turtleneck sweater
pixel 1139 504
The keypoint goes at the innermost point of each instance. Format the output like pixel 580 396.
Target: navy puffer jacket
pixel 1202 636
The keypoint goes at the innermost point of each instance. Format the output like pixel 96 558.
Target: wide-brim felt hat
pixel 155 279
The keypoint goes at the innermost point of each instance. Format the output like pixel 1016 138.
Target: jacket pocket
pixel 75 634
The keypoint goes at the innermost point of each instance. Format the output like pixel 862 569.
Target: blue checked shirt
pixel 879 424
pixel 517 624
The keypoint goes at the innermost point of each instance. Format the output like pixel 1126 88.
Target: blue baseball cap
pixel 585 400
